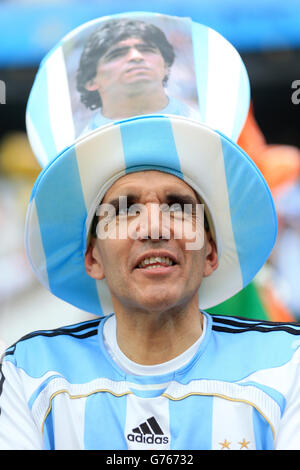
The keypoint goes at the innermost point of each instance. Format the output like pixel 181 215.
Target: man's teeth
pixel 153 262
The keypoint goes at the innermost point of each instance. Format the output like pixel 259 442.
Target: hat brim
pixel 68 189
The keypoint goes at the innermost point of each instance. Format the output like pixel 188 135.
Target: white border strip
pixel 224 69
pixel 59 101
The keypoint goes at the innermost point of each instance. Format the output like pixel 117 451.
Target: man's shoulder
pixel 264 343
pixel 45 361
pixel 262 354
pixel 96 121
pixel 238 325
pixel 37 342
pixel 177 107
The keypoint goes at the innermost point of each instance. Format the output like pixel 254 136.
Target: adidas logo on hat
pixel 148 432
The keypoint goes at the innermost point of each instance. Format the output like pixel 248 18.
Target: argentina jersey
pixel 61 389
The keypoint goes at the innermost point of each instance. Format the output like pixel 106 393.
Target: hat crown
pixel 207 75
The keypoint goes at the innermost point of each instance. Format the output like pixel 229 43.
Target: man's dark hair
pixel 105 37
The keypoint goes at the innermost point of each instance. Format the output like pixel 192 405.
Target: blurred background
pixel 266 34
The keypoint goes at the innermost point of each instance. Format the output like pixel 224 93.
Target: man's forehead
pixel 128 42
pixel 149 181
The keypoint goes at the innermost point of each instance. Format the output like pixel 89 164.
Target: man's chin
pixel 139 83
pixel 158 300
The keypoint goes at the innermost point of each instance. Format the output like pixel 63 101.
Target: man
pixel 154 279
pixel 124 69
pixel 157 372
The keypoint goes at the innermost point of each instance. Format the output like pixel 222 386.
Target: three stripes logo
pixel 148 432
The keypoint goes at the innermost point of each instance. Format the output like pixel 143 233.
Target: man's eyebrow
pixel 171 198
pixel 131 199
pixel 117 50
pixel 124 49
pixel 176 198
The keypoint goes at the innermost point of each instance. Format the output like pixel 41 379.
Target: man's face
pixel 151 271
pixel 127 66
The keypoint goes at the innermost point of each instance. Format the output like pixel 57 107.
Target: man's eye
pixel 170 208
pixel 130 211
pixel 146 48
pixel 115 54
pixel 176 208
pixel 121 211
pixel 135 209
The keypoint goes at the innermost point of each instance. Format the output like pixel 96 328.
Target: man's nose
pixel 154 221
pixel 150 224
pixel 135 54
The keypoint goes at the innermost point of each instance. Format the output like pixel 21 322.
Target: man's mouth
pixel 156 262
pixel 137 68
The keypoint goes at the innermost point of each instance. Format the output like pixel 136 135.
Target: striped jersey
pixel 61 389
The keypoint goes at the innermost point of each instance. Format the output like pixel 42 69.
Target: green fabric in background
pixel 245 303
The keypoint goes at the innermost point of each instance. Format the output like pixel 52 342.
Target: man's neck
pixel 133 104
pixel 150 339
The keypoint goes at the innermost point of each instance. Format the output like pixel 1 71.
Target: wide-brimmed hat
pixel 69 189
pixel 79 169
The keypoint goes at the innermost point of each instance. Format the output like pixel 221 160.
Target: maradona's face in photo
pixel 130 64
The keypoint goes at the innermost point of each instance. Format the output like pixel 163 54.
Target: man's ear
pixel 91 85
pixel 166 77
pixel 92 261
pixel 211 256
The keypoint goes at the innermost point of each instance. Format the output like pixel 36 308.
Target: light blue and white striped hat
pixel 221 83
pixel 78 172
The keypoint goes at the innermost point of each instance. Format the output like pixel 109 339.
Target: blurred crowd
pixel 280 165
pixel 18 171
